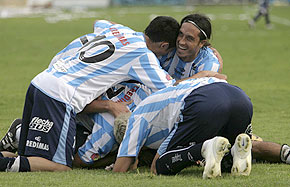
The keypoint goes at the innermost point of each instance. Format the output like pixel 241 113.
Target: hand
pixel 221 76
pixel 213 74
pixel 99 106
pixel 218 55
pixel 204 74
pixel 134 166
pixel 117 108
pixel 123 164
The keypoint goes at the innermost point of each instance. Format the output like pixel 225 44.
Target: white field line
pixel 282 21
pixel 57 15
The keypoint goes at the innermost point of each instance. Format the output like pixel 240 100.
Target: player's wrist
pixel 110 106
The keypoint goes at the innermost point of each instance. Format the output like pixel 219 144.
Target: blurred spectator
pixel 39 3
pixel 263 11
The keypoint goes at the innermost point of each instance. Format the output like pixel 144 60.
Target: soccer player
pixel 183 123
pixel 102 141
pixel 112 54
pixel 196 57
pixel 263 11
pixel 193 53
pixel 93 149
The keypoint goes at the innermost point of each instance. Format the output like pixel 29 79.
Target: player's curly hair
pixel 163 29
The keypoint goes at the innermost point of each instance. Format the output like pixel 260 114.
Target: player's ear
pixel 203 42
pixel 164 45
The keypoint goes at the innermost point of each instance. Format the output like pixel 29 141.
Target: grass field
pixel 256 60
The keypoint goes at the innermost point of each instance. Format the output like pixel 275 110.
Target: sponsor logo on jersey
pixel 120 37
pixel 168 77
pixel 176 158
pixel 60 66
pixel 38 138
pixel 128 94
pixel 37 144
pixel 42 125
pixel 190 157
pixel 95 157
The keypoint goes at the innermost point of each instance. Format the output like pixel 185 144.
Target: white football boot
pixel 242 157
pixel 10 140
pixel 213 151
pixel 285 153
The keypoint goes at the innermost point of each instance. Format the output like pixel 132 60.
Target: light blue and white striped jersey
pixel 154 118
pixel 178 69
pixel 100 27
pixel 95 62
pixel 102 140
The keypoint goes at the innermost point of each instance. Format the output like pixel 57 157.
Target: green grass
pixel 256 60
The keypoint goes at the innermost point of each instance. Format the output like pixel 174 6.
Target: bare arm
pixel 153 165
pixel 98 106
pixel 218 55
pixel 204 74
pixel 123 164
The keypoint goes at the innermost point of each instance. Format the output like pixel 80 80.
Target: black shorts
pixel 48 128
pixel 217 109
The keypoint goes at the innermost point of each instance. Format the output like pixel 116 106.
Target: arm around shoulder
pixel 219 57
pixel 99 106
pixel 204 74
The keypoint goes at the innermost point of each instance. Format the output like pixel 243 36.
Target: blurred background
pixel 10 8
pixel 106 3
pixel 255 59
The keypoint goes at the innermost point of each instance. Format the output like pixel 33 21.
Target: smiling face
pixel 188 42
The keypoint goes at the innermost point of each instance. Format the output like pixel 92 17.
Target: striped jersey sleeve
pixel 206 61
pixel 154 118
pixel 100 28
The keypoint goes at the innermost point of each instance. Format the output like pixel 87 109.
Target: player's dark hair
pixel 202 21
pixel 163 29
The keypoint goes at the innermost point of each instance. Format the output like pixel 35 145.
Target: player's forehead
pixel 189 29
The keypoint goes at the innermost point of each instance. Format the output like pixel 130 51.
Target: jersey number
pixel 98 57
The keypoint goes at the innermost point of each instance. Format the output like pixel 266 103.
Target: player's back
pixel 155 117
pixel 95 62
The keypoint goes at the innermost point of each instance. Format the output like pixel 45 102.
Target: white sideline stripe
pixel 280 20
pixel 176 150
